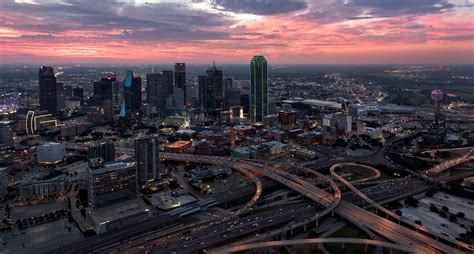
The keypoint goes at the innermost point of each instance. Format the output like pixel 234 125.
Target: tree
pixel 460 215
pixel 418 222
pixel 453 218
pixel 445 208
pixel 398 212
pixel 411 202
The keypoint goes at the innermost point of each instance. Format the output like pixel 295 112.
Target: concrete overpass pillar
pixel 304 228
pixel 365 250
pixel 317 222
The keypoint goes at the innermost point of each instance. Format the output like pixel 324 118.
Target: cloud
pixel 331 11
pixel 228 29
pixel 390 8
pixel 260 7
pixel 159 21
pixel 464 37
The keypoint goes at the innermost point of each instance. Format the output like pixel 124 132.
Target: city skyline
pixel 286 32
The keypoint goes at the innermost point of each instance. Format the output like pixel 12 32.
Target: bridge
pixel 343 241
pixel 469 156
pixel 419 238
pixel 358 216
pixel 387 212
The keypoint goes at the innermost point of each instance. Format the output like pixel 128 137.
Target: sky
pixel 232 31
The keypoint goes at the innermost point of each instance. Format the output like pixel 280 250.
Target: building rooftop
pixel 110 167
pixel 118 211
pixel 178 144
pixel 167 201
pixel 60 178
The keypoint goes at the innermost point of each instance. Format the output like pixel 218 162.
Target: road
pixel 273 244
pixel 358 216
pixel 217 233
pixel 392 231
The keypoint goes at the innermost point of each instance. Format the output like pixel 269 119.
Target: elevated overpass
pixel 469 156
pixel 396 233
pixel 387 212
pixel 272 244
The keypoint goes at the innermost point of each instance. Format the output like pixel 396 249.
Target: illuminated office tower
pixel 51 93
pixel 258 89
pixel 146 158
pixel 110 183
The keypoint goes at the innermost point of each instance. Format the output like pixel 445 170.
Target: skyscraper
pixel 78 92
pixel 245 102
pixel 258 89
pixel 178 98
pixel 132 95
pixel 232 98
pixel 103 89
pixel 157 88
pixel 214 92
pixel 202 83
pixel 228 83
pixel 146 158
pixel 180 77
pixel 169 82
pixel 104 149
pixel 51 94
pixel 152 89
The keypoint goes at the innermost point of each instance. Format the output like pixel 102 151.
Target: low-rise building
pixel 304 154
pixel 203 174
pixel 35 188
pixel 277 148
pixel 118 215
pixel 241 153
pixel 51 153
pixel 179 146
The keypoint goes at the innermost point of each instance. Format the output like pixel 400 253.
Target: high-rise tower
pixel 146 158
pixel 258 89
pixel 180 77
pixel 51 94
pixel 132 95
pixel 214 92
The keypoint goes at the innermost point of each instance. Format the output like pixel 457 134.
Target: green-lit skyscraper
pixel 258 89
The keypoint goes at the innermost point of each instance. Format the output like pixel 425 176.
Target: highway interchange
pixel 413 237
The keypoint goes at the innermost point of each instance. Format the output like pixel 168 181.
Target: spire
pixel 213 63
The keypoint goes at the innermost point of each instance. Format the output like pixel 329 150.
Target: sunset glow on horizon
pixel 311 31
